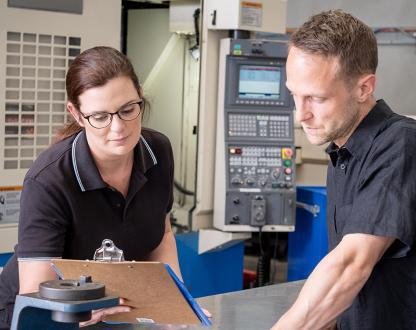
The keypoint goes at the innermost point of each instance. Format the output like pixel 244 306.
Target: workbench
pixel 253 309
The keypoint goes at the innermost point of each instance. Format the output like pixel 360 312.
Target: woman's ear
pixel 75 113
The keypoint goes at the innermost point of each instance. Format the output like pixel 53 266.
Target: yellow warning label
pixel 252 4
pixel 11 188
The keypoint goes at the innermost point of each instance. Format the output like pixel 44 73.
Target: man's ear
pixel 75 114
pixel 366 85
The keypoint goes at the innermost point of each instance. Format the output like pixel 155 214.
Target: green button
pixel 237 46
pixel 275 185
pixel 288 163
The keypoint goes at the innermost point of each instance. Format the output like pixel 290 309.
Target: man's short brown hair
pixel 339 34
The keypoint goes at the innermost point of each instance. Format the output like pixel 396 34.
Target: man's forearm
pixel 334 283
pixel 328 291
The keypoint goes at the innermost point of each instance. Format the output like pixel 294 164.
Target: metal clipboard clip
pixel 108 252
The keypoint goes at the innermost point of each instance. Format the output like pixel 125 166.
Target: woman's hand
pixel 99 314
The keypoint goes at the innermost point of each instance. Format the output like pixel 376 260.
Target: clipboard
pixel 151 288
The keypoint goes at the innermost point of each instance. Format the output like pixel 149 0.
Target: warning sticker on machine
pixel 10 204
pixel 251 13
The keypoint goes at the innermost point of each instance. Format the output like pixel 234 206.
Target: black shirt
pixel 67 209
pixel 371 189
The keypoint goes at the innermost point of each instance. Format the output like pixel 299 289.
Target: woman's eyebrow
pixel 125 104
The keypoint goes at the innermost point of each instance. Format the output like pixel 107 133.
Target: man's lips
pixel 310 129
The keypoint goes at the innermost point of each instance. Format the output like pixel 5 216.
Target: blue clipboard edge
pixel 206 322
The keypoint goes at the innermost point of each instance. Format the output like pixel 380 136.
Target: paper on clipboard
pixel 147 286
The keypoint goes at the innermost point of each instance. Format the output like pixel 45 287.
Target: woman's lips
pixel 119 139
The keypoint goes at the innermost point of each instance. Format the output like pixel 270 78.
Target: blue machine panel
pixel 212 272
pixel 308 244
pixel 4 257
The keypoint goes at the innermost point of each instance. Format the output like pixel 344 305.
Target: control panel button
pixel 236 151
pixel 235 219
pixel 287 163
pixel 262 182
pixel 287 153
pixel 259 216
pixel 236 181
pixel 250 181
pixel 276 173
pixel 288 171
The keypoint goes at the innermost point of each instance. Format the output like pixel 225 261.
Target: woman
pixel 106 177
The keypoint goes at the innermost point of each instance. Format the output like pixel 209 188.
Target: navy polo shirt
pixel 371 189
pixel 67 210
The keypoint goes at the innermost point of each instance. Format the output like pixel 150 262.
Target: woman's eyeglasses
pixel 103 119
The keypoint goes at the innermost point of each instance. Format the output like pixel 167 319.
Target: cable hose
pixel 260 272
pixel 181 189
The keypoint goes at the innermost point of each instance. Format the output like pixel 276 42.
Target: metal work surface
pixel 253 309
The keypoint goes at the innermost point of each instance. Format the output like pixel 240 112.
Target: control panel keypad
pixel 263 126
pixel 264 167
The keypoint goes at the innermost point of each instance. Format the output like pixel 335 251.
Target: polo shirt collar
pixel 86 172
pixel 362 138
pixel 144 155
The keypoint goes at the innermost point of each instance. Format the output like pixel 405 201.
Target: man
pixel 368 279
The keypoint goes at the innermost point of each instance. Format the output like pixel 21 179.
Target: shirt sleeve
pixel 42 224
pixel 385 200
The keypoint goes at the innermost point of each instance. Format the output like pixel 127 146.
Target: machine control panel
pixel 263 167
pixel 255 168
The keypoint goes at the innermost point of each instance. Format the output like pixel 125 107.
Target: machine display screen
pixel 259 82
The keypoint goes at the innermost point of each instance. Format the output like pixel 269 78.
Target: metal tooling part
pixel 84 289
pixel 60 304
pixel 108 252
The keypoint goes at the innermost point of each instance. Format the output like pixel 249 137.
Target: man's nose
pixel 302 111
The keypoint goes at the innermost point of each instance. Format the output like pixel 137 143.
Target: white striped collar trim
pixel 149 150
pixel 74 159
pixel 74 162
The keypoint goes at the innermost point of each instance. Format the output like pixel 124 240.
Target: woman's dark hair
pixel 94 68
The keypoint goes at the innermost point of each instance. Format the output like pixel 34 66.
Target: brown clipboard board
pixel 147 287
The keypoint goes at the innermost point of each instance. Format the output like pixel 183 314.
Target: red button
pixel 288 153
pixel 288 171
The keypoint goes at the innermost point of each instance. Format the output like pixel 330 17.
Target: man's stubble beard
pixel 349 121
